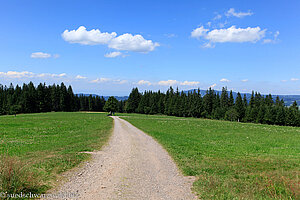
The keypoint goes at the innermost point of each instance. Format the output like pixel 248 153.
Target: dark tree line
pixel 43 98
pixel 259 109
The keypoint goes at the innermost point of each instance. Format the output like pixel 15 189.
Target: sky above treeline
pixel 109 47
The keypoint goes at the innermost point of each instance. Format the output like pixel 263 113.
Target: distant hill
pixel 288 99
pixel 119 98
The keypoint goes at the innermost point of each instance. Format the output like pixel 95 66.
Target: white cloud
pixel 126 42
pixel 108 80
pixel 224 80
pixel 190 83
pixel 113 54
pixel 294 79
pixel 14 74
pixel 92 37
pixel 100 80
pixel 26 74
pixel 199 32
pixel 213 85
pixel 51 75
pixel 266 41
pixel 274 40
pixel 208 45
pixel 232 13
pixel 80 77
pixel 168 82
pixel 231 34
pixel 234 34
pixel 40 55
pixel 143 82
pixel 245 80
pixel 121 81
pixel 175 82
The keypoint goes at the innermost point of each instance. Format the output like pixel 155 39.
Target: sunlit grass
pixel 41 146
pixel 230 160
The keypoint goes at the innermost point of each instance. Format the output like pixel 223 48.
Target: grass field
pixel 35 148
pixel 230 160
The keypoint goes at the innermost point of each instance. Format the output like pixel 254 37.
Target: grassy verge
pixel 35 148
pixel 230 160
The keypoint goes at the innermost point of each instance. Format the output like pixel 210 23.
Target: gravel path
pixel 131 166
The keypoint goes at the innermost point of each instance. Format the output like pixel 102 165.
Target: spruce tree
pixel 111 105
pixel 240 107
pixel 133 101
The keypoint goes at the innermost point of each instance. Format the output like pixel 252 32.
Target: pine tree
pixel 133 101
pixel 295 105
pixel 231 100
pixel 240 107
pixel 111 105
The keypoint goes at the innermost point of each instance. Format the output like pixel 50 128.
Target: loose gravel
pixel 132 166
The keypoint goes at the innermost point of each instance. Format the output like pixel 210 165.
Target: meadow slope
pixel 230 159
pixel 36 148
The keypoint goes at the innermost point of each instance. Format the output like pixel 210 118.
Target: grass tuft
pixel 16 176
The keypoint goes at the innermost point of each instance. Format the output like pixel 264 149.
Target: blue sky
pixel 244 45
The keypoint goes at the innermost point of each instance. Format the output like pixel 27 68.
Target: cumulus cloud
pixel 224 80
pixel 92 37
pixel 40 55
pixel 168 82
pixel 190 83
pixel 113 54
pixel 51 75
pixel 14 74
pixel 213 85
pixel 232 34
pixel 26 74
pixel 245 80
pixel 232 13
pixel 294 79
pixel 143 82
pixel 126 42
pixel 130 42
pixel 199 32
pixel 108 80
pixel 175 82
pixel 80 77
pixel 100 80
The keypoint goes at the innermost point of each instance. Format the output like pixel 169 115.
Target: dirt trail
pixel 131 166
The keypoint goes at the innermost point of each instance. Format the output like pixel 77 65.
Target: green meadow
pixel 230 160
pixel 36 148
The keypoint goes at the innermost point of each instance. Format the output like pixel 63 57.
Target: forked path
pixel 131 166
